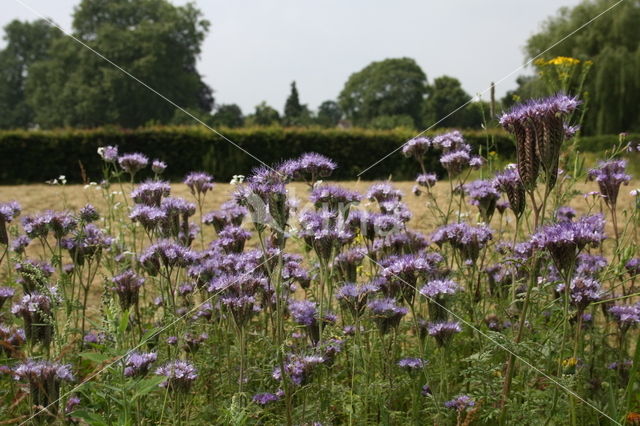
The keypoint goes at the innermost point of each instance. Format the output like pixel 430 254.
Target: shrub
pixel 36 156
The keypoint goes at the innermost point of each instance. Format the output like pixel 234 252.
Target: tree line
pixel 47 80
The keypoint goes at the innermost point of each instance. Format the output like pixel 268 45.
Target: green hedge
pixel 36 156
pixel 602 143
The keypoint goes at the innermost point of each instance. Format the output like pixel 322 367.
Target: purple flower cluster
pixel 108 153
pixel 626 315
pixel 179 374
pixel 467 239
pixel 305 312
pixel 298 368
pixel 354 297
pixel 565 240
pixel 333 197
pixel 127 286
pixel 59 223
pixel 386 314
pixel 133 163
pixel 87 242
pixel 137 364
pixel 484 195
pixel 508 181
pixel 167 254
pixel 382 192
pixel 158 167
pixel 539 129
pixel 309 167
pixel 199 183
pixel 460 403
pixel 412 365
pixel 416 147
pixel 582 291
pixel 443 331
pixel 230 213
pixel 9 211
pixel 610 175
pixel 6 293
pixel 633 266
pixel 266 398
pixel 89 214
pixel 150 193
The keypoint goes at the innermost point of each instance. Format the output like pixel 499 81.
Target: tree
pixel 229 115
pixel 264 116
pixel 388 87
pixel 27 42
pixel 153 40
pixel 329 114
pixel 292 107
pixel 612 42
pixel 445 96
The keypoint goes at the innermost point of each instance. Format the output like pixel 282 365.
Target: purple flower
pixel 439 288
pixel 108 153
pixel 9 211
pixel 265 398
pixel 230 213
pixel 232 239
pixel 610 175
pixel 334 197
pixel 539 129
pixel 150 193
pixel 508 181
pixel 467 239
pixel 412 364
pixel 127 286
pixel 168 254
pixel 582 291
pixel 158 167
pixel 382 192
pixel 450 141
pixel 354 297
pixel 626 315
pixel 427 180
pixel 590 265
pixel 309 167
pixel 633 266
pixel 20 243
pixel 94 338
pixel 426 390
pixel 386 314
pixel 454 162
pixel 89 214
pixel 86 243
pixel 416 147
pixel 402 274
pixel 346 263
pixel 6 293
pixel 133 163
pixel 565 214
pixel 199 183
pixel 72 403
pixel 565 240
pixel 179 375
pixel 305 313
pixel 298 368
pixel 44 378
pixel 460 403
pixel 484 195
pixel 149 217
pixel 443 331
pixel 33 274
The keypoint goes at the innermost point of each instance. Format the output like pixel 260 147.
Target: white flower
pixel 635 192
pixel 237 179
pixel 101 151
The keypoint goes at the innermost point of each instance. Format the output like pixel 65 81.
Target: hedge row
pixel 36 156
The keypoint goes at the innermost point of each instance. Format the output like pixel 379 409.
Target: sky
pixel 256 48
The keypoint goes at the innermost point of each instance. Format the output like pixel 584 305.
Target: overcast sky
pixel 255 48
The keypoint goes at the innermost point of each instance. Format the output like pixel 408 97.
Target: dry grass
pixel 34 198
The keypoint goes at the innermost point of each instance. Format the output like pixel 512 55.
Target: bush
pixel 36 156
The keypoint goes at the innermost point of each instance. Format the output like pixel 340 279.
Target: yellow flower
pixel 563 60
pixel 569 362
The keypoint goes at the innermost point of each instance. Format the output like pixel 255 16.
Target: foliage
pixel 612 43
pixel 228 115
pixel 329 308
pixel 37 156
pixel 264 115
pixel 388 87
pixel 27 43
pixel 329 114
pixel 153 40
pixel 446 95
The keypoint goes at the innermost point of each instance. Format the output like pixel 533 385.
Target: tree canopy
pixel 612 43
pixel 157 42
pixel 391 87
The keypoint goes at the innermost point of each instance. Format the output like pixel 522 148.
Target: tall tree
pixel 153 40
pixel 264 115
pixel 445 96
pixel 27 42
pixel 292 107
pixel 389 87
pixel 612 42
pixel 229 115
pixel 329 114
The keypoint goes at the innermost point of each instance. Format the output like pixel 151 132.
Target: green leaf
pixel 92 418
pixel 95 356
pixel 147 385
pixel 124 322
